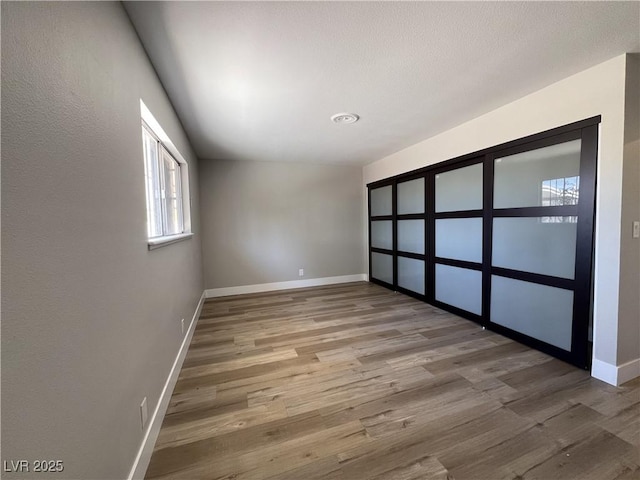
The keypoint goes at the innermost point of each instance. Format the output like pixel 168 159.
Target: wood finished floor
pixel 356 382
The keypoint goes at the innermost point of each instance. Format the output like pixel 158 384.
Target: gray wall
pixel 90 316
pixel 629 315
pixel 262 221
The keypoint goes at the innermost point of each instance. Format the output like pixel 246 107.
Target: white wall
pixel 629 345
pixel 599 90
pixel 263 221
pixel 90 316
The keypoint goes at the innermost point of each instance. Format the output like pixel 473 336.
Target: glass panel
pixel 411 196
pixel 459 189
pixel 172 196
pixel 382 234
pixel 411 236
pixel 536 245
pixel 382 267
pixel 459 287
pixel 381 201
pixel 152 177
pixel 459 239
pixel 539 311
pixel 411 274
pixel 538 178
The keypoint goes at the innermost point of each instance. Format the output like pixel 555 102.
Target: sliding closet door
pixel 542 234
pixel 381 235
pixel 411 236
pixel 503 237
pixel 457 238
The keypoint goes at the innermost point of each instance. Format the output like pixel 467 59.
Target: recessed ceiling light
pixel 344 118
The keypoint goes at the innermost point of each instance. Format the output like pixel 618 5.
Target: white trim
pixel 158 242
pixel 604 371
pixel 154 125
pixel 615 374
pixel 628 371
pixel 269 287
pixel 141 462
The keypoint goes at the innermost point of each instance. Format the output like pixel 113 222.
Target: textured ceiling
pixel 260 80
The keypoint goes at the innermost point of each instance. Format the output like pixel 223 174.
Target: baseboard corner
pixel 615 374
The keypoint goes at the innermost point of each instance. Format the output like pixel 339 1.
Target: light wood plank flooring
pixel 356 382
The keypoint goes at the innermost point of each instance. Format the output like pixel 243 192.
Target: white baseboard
pixel 615 374
pixel 604 371
pixel 628 371
pixel 269 287
pixel 141 463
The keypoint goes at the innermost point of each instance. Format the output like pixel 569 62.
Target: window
pixel 560 191
pixel 166 178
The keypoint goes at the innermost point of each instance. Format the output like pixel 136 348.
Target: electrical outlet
pixel 144 412
pixel 182 325
pixel 301 272
pixel 636 229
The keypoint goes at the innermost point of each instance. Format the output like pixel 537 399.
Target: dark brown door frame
pixel 581 285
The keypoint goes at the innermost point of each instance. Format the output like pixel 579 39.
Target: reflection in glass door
pixel 503 237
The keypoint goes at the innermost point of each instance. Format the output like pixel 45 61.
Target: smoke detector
pixel 344 118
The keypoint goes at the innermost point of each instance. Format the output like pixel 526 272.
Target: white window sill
pixel 168 240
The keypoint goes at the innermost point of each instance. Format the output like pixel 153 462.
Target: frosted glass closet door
pixel 382 234
pixel 540 311
pixel 381 203
pixel 411 236
pixel 459 190
pixel 536 245
pixel 459 239
pixel 411 196
pixel 545 177
pixel 411 274
pixel 382 267
pixel 459 287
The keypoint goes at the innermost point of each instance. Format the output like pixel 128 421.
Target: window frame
pixel 155 185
